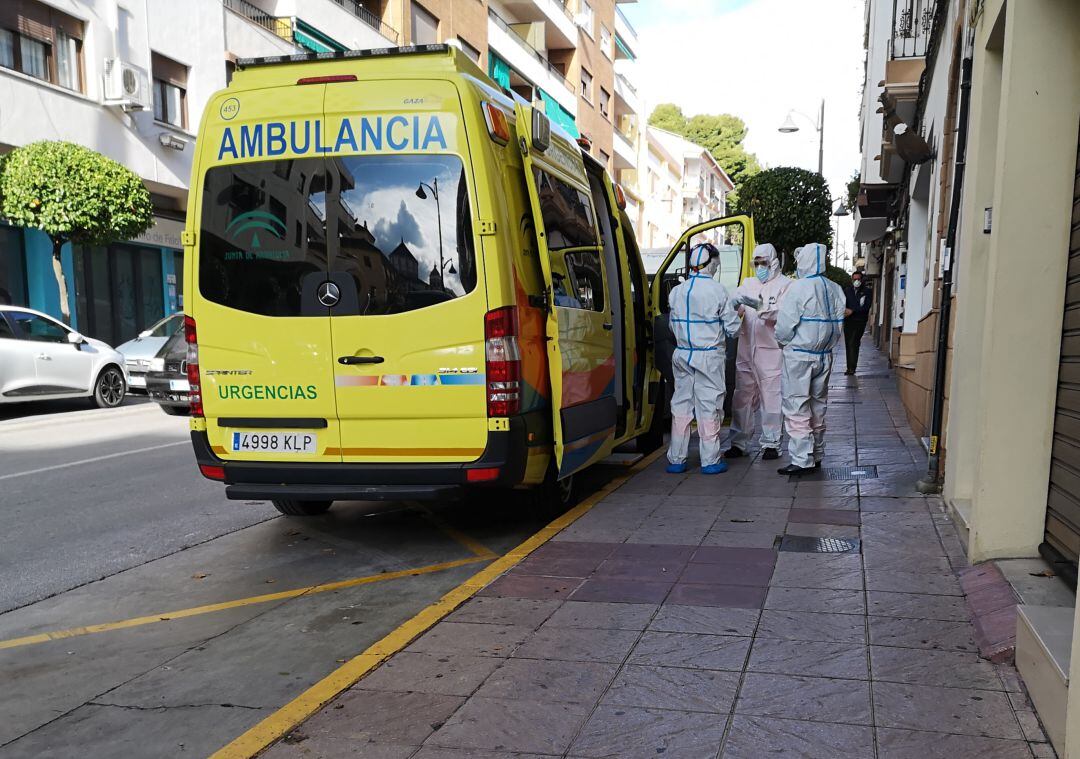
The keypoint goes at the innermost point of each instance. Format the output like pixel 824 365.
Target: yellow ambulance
pixel 402 281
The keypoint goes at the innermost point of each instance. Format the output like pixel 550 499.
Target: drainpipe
pixel 932 483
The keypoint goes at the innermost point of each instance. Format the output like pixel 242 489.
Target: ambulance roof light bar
pixel 380 52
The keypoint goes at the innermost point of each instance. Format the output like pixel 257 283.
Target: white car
pixel 139 352
pixel 43 359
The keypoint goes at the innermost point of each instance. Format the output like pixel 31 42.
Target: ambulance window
pixel 568 213
pixel 404 230
pixel 248 257
pixel 586 286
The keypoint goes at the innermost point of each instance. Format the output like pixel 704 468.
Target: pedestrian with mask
pixel 859 298
pixel 809 324
pixel 760 361
pixel 702 316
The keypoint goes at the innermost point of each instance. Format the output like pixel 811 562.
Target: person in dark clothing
pixel 859 298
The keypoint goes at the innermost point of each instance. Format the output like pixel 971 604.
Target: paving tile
pixel 678 688
pixel 505 611
pixel 675 554
pixel 904 744
pixel 824 516
pixel 560 681
pixel 812 626
pixel 818 699
pixel 755 737
pixel 622 732
pixel 916 606
pixel 732 573
pixel 727 555
pixel 531 586
pixel 816 599
pixel 574 550
pixel 639 569
pixel 457 675
pixel 504 725
pixel 740 539
pixel 927 634
pixel 437 752
pixel 672 537
pixel 953 669
pixel 304 746
pixel 736 596
pixel 873 503
pixel 941 584
pixel 662 649
pixel 847 503
pixel 577 644
pixel 826 576
pixel 574 568
pixel 945 710
pixel 375 716
pixel 758 501
pixel 708 620
pixel 906 561
pixel 596 614
pixel 810 659
pixel 471 638
pixel 622 591
pixel 822 530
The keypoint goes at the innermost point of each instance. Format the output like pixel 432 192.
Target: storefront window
pixel 119 291
pixel 12 268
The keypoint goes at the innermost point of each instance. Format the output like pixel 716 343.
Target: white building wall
pixel 879 36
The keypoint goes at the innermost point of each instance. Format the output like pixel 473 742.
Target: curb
pixel 275 726
pixel 72 417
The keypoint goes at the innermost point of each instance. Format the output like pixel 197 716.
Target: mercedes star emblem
pixel 329 294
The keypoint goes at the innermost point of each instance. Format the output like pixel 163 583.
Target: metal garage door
pixel 1063 500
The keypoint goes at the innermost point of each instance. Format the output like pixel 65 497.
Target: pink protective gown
pixel 760 361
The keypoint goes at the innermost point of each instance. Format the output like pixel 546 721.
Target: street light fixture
pixel 839 212
pixel 434 187
pixel 789 126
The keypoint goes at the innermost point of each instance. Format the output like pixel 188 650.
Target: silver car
pixel 139 352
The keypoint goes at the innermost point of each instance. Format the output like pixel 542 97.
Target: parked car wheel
pixel 110 388
pixel 294 508
pixel 175 410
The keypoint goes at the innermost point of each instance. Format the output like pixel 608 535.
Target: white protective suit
pixel 701 316
pixel 809 323
pixel 760 361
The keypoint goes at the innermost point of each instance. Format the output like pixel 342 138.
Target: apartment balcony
pixel 559 28
pixel 626 95
pixel 505 38
pixel 626 156
pixel 626 37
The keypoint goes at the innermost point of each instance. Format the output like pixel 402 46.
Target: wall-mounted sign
pixel 988 219
pixel 165 233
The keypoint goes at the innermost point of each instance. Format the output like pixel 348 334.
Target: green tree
pixel 790 207
pixel 72 194
pixel 853 190
pixel 721 134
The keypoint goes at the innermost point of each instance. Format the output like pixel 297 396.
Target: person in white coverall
pixel 701 316
pixel 809 323
pixel 760 361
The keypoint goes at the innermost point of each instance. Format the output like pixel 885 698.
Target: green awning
pixel 622 46
pixel 558 114
pixel 499 70
pixel 310 38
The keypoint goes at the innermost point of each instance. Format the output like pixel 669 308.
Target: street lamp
pixel 438 214
pixel 839 212
pixel 789 126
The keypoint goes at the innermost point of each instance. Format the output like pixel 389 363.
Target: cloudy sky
pixel 757 59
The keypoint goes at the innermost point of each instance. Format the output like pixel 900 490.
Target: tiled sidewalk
pixel 665 623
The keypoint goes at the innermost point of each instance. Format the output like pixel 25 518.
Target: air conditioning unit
pixel 126 85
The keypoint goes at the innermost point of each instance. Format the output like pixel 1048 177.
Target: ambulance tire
pixel 293 508
pixel 554 496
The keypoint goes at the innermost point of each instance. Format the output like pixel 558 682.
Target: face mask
pixel 857 283
pixel 762 273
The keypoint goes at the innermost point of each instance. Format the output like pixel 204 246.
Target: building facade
pixel 130 81
pixel 705 185
pixel 969 216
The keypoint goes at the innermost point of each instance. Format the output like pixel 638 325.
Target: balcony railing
pixel 505 26
pixel 626 83
pixel 369 18
pixel 280 26
pixel 626 20
pixel 913 20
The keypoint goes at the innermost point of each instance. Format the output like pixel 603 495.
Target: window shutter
pixel 169 70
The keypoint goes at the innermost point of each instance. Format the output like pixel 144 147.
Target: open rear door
pixel 581 355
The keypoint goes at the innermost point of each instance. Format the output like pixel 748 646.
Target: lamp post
pixel 789 126
pixel 839 212
pixel 438 215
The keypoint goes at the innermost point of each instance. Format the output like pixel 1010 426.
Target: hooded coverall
pixel 760 361
pixel 808 325
pixel 701 316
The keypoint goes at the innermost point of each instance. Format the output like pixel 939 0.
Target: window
pixel 604 158
pixel 167 327
pixel 12 268
pixel 605 102
pixel 605 41
pixel 586 84
pixel 470 51
pixel 41 42
pixel 400 248
pixel 38 328
pixel 583 286
pixel 425 27
pixel 170 91
pixel 585 17
pixel 6 332
pixel 567 213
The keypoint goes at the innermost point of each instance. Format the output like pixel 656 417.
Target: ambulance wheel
pixel 554 496
pixel 294 508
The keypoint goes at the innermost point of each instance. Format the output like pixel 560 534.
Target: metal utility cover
pixel 803 544
pixel 841 473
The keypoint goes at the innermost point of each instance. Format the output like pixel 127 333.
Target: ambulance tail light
pixel 503 362
pixel 212 472
pixel 195 391
pixel 326 79
pixel 497 125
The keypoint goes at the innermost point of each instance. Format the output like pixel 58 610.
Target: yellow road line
pixel 168 616
pixel 470 544
pixel 310 701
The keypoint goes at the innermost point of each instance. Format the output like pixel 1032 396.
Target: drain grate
pixel 886 375
pixel 845 403
pixel 803 544
pixel 841 473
